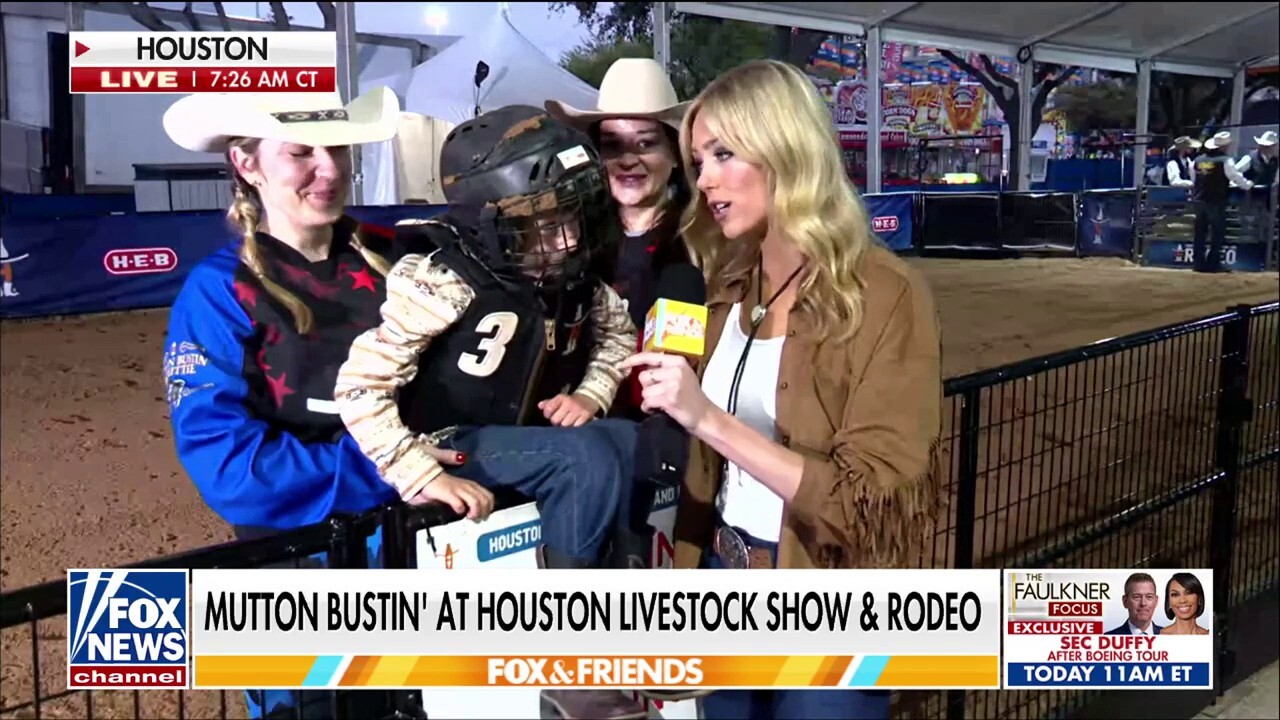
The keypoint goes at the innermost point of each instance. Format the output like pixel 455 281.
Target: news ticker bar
pixel 230 672
pixel 132 80
pixel 917 629
pixel 202 62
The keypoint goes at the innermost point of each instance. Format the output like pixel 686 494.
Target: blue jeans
pixel 579 477
pixel 318 704
pixel 1210 229
pixel 791 704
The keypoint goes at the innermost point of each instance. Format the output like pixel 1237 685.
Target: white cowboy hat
pixel 1268 138
pixel 1221 139
pixel 632 88
pixel 205 122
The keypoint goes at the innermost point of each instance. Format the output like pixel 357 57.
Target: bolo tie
pixel 757 318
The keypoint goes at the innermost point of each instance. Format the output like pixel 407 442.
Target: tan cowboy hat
pixel 1268 138
pixel 1186 141
pixel 632 88
pixel 206 121
pixel 1221 139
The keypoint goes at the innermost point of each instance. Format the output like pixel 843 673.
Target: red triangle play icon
pixel 81 48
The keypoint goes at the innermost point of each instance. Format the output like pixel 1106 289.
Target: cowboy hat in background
pixel 1219 140
pixel 1267 139
pixel 632 88
pixel 1184 141
pixel 205 122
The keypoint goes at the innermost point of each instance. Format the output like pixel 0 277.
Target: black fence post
pixel 396 537
pixel 966 507
pixel 1234 410
pixel 347 547
pixel 398 554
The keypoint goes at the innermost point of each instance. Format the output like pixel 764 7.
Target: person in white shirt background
pixel 1260 165
pixel 1177 171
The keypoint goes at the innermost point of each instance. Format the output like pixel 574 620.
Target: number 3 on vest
pixel 503 327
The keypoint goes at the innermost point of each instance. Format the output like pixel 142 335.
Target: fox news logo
pixel 127 629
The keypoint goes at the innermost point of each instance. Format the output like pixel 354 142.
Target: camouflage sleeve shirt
pixel 423 300
pixel 614 339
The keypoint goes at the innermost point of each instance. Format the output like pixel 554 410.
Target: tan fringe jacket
pixel 866 416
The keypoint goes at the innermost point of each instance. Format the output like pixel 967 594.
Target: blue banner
pixel 1239 257
pixel 1119 675
pixel 891 218
pixel 120 262
pixel 51 207
pixel 1105 226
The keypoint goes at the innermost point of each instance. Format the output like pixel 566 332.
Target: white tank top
pixel 743 502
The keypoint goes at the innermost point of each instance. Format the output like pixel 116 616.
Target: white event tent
pixel 440 93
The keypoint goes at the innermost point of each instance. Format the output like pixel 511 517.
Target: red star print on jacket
pixel 363 279
pixel 279 388
pixel 246 294
pixel 285 370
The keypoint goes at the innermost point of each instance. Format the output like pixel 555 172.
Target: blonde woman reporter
pixel 817 414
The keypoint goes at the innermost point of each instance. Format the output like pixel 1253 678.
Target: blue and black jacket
pixel 251 400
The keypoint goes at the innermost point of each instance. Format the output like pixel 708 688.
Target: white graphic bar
pixel 203 49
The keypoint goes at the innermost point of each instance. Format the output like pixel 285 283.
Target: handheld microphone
pixel 675 324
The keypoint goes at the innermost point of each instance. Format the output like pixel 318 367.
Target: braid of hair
pixel 376 261
pixel 245 215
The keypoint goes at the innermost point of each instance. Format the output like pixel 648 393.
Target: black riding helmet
pixel 524 179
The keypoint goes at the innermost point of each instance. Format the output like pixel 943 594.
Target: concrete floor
pixel 1258 697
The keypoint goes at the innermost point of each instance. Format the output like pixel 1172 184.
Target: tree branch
pixel 1047 86
pixel 997 91
pixel 279 16
pixel 1044 71
pixel 145 16
pixel 329 14
pixel 190 15
pixel 1169 106
pixel 222 17
pixel 997 75
pixel 960 62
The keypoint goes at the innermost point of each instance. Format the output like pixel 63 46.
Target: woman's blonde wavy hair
pixel 245 214
pixel 770 114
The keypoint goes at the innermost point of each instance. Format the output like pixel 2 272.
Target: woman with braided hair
pixel 260 327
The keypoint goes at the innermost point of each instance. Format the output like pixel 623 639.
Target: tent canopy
pixel 519 74
pixel 1212 39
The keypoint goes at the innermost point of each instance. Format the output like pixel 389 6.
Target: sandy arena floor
pixel 89 476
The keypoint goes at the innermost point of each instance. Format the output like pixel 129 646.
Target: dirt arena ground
pixel 89 476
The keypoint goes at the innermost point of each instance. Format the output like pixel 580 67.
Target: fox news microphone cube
pixel 127 629
pixel 676 327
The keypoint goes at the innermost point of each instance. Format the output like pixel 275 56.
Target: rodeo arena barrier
pixel 1158 449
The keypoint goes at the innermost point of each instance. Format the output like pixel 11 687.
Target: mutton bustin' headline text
pixel 581 611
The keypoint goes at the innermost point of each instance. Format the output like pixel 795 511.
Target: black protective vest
pixel 1211 183
pixel 508 351
pixel 1184 168
pixel 1262 171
